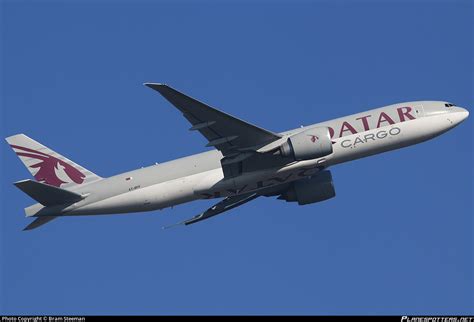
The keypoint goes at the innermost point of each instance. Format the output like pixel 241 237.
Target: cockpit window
pixel 449 105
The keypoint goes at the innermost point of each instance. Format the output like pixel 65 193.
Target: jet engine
pixel 309 144
pixel 314 189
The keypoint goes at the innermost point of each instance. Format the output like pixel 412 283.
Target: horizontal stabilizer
pixel 39 221
pixel 46 194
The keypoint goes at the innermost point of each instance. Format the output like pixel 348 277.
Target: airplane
pixel 247 161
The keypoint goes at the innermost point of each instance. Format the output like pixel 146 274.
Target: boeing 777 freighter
pixel 247 162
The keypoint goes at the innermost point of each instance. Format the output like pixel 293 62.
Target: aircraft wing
pixel 222 206
pixel 226 133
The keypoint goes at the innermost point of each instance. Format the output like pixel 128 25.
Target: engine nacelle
pixel 315 189
pixel 310 144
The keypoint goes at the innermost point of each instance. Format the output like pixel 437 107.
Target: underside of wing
pixel 226 133
pixel 308 190
pixel 222 206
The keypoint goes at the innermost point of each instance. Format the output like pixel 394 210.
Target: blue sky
pixel 397 239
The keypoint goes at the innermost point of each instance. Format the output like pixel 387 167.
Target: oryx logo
pixel 313 138
pixel 51 170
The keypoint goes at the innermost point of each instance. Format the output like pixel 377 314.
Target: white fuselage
pixel 201 176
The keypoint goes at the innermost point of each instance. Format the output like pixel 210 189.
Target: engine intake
pixel 310 144
pixel 315 189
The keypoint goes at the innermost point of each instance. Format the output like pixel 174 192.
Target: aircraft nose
pixel 463 113
pixel 458 114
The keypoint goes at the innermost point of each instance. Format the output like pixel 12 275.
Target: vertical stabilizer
pixel 48 166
